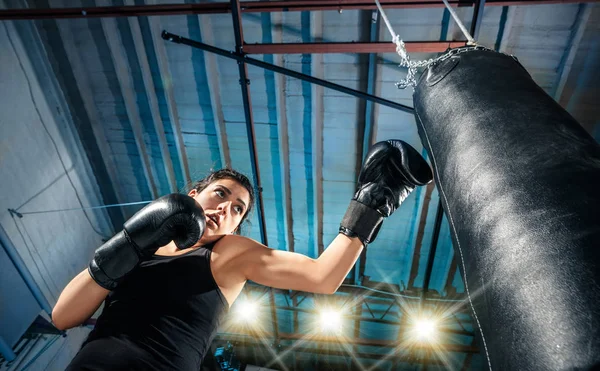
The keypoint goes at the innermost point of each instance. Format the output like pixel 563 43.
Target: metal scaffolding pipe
pixel 255 62
pixel 477 18
pixel 245 86
pixel 351 47
pixel 247 7
pixel 246 100
pixel 19 264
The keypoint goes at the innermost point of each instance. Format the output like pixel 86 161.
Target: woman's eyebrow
pixel 228 191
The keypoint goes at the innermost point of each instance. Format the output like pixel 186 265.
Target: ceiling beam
pixel 368 133
pixel 432 250
pixel 577 31
pixel 448 288
pixel 372 28
pixel 316 33
pixel 282 134
pixel 212 75
pixel 469 358
pixel 505 29
pixel 249 7
pixel 477 18
pixel 167 84
pixel 351 47
pixel 400 339
pixel 414 269
pixel 284 150
pixel 119 58
pixel 136 34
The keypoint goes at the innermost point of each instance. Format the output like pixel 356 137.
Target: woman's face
pixel 225 202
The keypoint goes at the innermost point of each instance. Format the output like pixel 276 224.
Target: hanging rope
pixel 462 27
pixel 412 66
pixel 21 213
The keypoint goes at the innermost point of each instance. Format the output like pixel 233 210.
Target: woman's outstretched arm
pixel 292 271
pixel 392 169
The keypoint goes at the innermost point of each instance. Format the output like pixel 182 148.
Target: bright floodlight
pixel 247 311
pixel 425 329
pixel 330 320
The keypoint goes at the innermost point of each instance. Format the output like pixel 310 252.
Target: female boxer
pixel 177 265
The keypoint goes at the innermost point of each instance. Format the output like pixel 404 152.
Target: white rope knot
pixel 400 48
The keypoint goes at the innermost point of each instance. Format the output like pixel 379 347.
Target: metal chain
pixel 412 66
pixel 411 79
pixel 411 76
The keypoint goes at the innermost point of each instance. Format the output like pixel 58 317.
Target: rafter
pixel 316 33
pixel 119 58
pixel 167 83
pixel 577 32
pixel 283 139
pixel 212 75
pixel 138 42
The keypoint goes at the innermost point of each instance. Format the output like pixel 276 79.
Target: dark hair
pixel 227 173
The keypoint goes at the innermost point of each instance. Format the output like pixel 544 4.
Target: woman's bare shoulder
pixel 231 254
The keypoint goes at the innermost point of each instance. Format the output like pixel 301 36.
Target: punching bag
pixel 519 180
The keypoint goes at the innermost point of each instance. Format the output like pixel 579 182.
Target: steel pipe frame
pixel 477 19
pixel 246 100
pixel 351 47
pixel 13 255
pixel 249 7
pixel 255 62
pixel 245 87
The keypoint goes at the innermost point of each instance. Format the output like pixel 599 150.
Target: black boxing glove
pixel 175 217
pixel 391 170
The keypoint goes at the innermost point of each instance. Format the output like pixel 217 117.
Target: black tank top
pixel 163 316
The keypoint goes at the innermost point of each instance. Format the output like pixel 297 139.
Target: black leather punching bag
pixel 519 180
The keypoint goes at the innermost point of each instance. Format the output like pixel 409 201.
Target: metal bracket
pixel 14 212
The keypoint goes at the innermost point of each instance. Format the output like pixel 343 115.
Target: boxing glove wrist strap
pixel 100 277
pixel 361 221
pixel 113 260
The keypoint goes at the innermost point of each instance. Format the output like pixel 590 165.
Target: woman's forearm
pixel 78 301
pixel 337 260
